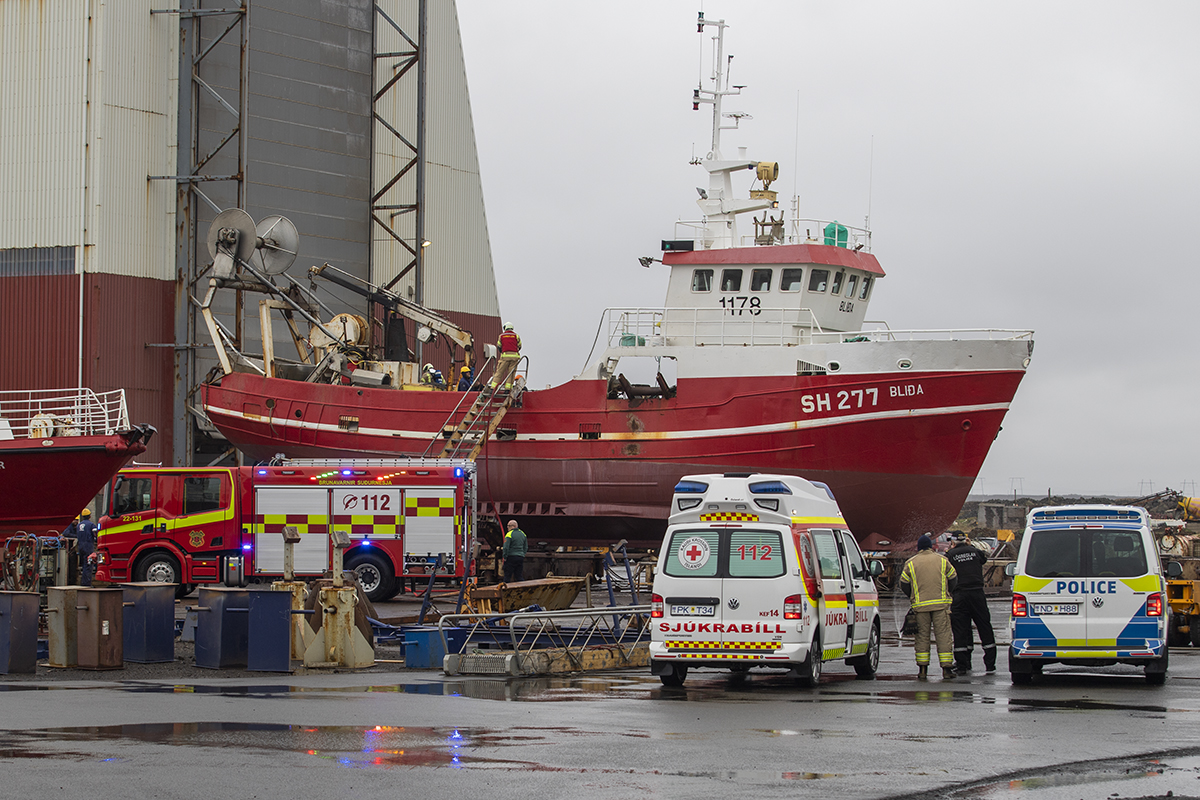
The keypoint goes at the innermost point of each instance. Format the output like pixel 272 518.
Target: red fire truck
pixel 405 519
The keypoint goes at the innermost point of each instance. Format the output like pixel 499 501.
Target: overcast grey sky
pixel 1035 166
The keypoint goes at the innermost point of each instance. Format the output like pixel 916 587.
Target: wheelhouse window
pixel 866 288
pixel 702 280
pixel 851 285
pixel 818 280
pixel 836 289
pixel 760 280
pixel 731 280
pixel 792 280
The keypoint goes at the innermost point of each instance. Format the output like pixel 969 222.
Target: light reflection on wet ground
pixel 377 746
pixel 1157 776
pixel 702 688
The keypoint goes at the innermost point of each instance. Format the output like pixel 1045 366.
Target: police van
pixel 1088 589
pixel 761 571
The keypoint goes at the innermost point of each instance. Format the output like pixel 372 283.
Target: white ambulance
pixel 1088 590
pixel 761 571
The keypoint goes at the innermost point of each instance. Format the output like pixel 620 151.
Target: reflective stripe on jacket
pixel 932 579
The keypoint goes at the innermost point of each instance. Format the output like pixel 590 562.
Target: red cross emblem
pixel 694 552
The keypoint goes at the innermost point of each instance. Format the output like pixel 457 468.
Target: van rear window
pixel 708 553
pixel 693 554
pixel 756 554
pixel 1086 554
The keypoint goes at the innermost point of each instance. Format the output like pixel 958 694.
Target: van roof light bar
pixel 770 487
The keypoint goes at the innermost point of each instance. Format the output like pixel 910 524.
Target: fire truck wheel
pixel 160 567
pixel 375 574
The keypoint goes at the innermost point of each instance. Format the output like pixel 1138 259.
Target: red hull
pixel 901 451
pixel 45 483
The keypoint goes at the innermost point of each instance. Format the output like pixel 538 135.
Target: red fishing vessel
pixel 58 448
pixel 761 360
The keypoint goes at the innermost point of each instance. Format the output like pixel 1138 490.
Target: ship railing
pixel 701 327
pixel 46 413
pixel 769 327
pixel 886 334
pixel 808 230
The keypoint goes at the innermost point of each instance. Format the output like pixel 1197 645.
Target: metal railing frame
pixel 610 626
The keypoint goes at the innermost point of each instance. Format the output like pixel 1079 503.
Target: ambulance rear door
pixel 306 508
pixel 691 587
pixel 753 591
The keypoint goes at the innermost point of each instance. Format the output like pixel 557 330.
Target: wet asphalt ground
pixel 193 733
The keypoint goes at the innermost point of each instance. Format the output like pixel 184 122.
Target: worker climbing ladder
pixel 481 420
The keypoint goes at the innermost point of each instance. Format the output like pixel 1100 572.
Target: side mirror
pixel 1174 569
pixel 1010 569
pixel 876 569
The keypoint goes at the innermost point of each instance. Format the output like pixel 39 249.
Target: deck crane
pixel 430 322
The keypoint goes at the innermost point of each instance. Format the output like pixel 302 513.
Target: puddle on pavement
pixel 1107 778
pixel 701 687
pixel 356 747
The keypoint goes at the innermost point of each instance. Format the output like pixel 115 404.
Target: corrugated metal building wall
pixel 458 276
pixel 85 118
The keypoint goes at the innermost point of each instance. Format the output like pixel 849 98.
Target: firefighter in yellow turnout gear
pixel 929 580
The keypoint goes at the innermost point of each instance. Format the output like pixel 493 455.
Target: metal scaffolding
pixel 384 213
pixel 216 153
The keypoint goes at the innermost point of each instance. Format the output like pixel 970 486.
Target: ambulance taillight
pixel 1154 605
pixel 793 606
pixel 656 606
pixel 1019 607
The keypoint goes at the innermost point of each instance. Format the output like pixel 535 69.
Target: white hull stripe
pixel 776 427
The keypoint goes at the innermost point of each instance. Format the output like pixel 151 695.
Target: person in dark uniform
pixel 83 531
pixel 970 605
pixel 515 547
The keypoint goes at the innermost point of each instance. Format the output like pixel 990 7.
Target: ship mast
pixel 718 205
